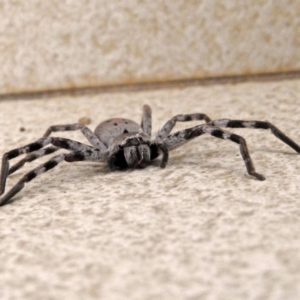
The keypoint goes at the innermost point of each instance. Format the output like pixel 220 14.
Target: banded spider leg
pixel 79 152
pixel 213 128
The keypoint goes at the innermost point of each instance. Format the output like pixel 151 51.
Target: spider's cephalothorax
pixel 128 145
pixel 125 144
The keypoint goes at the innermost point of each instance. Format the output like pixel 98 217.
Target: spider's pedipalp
pixel 130 150
pixel 137 156
pixel 131 156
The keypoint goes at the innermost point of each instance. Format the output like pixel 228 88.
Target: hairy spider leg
pixel 167 128
pixel 15 153
pixel 147 120
pixel 165 151
pixel 81 152
pixel 30 175
pixel 181 137
pixel 90 136
pixel 135 147
pixel 257 125
pixel 31 157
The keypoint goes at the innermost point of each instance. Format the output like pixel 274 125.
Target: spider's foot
pixel 163 164
pixel 258 176
pixel 4 201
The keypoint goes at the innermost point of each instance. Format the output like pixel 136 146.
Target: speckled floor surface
pixel 199 229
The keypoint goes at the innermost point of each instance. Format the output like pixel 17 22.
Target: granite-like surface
pixel 46 45
pixel 199 229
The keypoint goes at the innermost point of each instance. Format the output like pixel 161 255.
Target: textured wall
pixel 65 44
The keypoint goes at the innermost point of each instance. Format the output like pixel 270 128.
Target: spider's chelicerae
pixel 125 144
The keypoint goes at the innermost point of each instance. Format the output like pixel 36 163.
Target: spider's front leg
pixel 257 125
pixel 167 128
pixel 181 137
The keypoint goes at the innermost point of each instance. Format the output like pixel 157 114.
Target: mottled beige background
pixel 200 229
pixel 49 45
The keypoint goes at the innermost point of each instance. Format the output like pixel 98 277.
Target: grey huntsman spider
pixel 125 144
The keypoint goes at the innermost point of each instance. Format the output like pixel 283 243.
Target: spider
pixel 125 144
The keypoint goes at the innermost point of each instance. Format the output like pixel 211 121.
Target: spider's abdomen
pixel 108 130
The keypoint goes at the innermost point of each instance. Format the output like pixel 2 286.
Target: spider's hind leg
pixel 80 152
pixel 30 175
pixel 31 157
pixel 5 171
pixel 90 136
pixel 37 150
pixel 258 125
